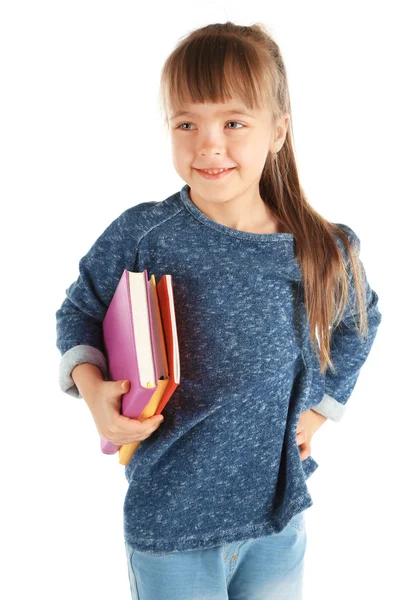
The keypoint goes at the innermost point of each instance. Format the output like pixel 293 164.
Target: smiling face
pixel 223 135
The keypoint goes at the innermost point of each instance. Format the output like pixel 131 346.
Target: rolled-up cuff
pixel 330 408
pixel 76 356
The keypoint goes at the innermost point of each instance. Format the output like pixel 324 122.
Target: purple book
pixel 129 342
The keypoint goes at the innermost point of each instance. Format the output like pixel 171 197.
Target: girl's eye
pixel 237 123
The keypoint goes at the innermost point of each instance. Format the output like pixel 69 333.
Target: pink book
pixel 130 345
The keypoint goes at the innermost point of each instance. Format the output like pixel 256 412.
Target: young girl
pixel 275 319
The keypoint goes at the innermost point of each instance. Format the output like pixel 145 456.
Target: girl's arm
pixel 79 320
pixel 348 350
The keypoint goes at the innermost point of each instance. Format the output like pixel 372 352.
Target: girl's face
pixel 223 136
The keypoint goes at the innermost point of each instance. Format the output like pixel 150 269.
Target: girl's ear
pixel 281 131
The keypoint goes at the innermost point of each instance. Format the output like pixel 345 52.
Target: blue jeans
pixel 265 568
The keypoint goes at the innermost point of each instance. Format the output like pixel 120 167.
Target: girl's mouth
pixel 219 175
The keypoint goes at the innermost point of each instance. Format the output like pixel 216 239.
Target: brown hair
pixel 224 60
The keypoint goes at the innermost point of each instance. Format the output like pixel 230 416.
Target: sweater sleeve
pixel 79 319
pixel 349 350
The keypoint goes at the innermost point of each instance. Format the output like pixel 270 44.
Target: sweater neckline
pixel 247 235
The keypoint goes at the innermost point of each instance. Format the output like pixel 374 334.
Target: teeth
pixel 214 171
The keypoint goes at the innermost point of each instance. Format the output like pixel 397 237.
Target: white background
pixel 81 140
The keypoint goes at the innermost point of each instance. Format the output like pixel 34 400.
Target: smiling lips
pixel 214 170
pixel 215 173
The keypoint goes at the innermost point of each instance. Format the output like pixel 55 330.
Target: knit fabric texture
pixel 225 464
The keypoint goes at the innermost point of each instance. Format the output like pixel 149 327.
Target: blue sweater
pixel 225 464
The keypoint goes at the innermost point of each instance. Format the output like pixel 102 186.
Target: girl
pixel 275 319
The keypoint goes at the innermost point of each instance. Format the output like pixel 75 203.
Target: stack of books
pixel 141 342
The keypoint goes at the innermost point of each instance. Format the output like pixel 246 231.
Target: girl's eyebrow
pixel 238 111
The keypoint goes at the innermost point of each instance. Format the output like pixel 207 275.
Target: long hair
pixel 220 61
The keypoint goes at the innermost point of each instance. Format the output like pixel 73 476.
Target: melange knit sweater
pixel 225 464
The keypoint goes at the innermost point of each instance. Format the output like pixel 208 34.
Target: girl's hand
pixel 104 400
pixel 309 422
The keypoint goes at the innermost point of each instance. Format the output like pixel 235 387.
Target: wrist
pixel 87 378
pixel 320 419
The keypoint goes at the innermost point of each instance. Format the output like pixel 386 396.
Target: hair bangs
pixel 211 69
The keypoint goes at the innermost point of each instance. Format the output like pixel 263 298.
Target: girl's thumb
pixel 123 384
